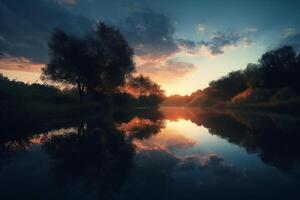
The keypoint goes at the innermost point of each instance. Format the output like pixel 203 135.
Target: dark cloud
pixel 220 40
pixel 186 43
pixel 26 27
pixel 188 46
pixel 152 36
pixel 8 62
pixel 216 43
pixel 150 33
pixel 293 40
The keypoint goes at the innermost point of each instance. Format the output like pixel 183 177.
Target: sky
pixel 182 45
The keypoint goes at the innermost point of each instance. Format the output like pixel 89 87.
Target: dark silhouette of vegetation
pixel 100 61
pixel 99 157
pixel 143 86
pixel 95 152
pixel 148 93
pixel 32 104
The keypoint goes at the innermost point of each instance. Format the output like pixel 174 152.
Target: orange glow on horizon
pixel 26 77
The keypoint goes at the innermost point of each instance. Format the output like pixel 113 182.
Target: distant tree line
pixel 274 77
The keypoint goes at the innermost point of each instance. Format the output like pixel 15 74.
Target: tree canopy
pixel 101 60
pixel 143 86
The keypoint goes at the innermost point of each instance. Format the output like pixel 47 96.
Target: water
pixel 173 154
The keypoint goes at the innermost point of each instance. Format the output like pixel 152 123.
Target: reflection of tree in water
pixel 140 128
pixel 9 148
pixel 126 115
pixel 273 138
pixel 97 155
pixel 100 157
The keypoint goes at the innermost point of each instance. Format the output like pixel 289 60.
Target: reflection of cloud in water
pixel 212 163
pixel 15 145
pixel 167 140
pixel 140 128
pixel 184 173
pixel 170 152
pixel 41 138
pixel 134 125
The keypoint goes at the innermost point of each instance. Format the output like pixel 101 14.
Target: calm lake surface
pixel 176 153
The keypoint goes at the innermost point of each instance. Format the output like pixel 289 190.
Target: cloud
pixel 187 45
pixel 217 43
pixel 220 40
pixel 288 32
pixel 163 69
pixel 26 27
pixel 18 64
pixel 292 40
pixel 150 33
pixel 200 28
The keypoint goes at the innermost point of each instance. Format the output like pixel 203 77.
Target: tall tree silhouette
pixel 111 53
pixel 143 86
pixel 100 61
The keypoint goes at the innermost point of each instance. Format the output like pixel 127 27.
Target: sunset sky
pixel 182 45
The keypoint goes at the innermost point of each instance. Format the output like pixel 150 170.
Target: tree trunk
pixel 109 107
pixel 80 88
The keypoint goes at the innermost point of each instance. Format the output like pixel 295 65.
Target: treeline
pixel 30 100
pixel 272 80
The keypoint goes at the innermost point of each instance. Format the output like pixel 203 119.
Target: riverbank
pixel 291 107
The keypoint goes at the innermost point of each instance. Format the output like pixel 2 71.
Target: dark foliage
pixel 100 61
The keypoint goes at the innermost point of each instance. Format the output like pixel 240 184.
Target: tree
pixel 100 61
pixel 69 62
pixel 111 53
pixel 146 92
pixel 253 75
pixel 280 67
pixel 227 86
pixel 143 86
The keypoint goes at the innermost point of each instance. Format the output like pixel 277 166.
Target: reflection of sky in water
pixel 192 139
pixel 184 139
pixel 207 143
